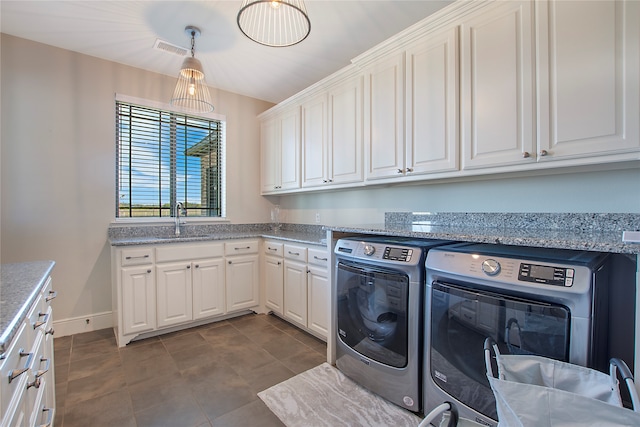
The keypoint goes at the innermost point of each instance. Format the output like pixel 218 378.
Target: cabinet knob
pixel 197 265
pixel 543 153
pixel 188 266
pixel 50 332
pixel 409 169
pixel 526 154
pixel 148 271
pixel 400 170
pixel 229 262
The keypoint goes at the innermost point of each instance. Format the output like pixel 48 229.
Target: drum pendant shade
pixel 276 23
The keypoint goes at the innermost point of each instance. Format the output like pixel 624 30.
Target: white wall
pixel 58 163
pixel 590 192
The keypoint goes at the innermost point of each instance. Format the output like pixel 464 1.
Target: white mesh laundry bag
pixel 537 391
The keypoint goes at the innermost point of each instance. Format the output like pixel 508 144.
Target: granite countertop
pixel 562 236
pixel 20 284
pixel 132 235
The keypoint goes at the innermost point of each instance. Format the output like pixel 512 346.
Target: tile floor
pixel 199 377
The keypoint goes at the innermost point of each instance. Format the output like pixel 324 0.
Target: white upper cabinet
pixel 384 116
pixel 497 85
pixel 314 141
pixel 588 78
pixel 280 156
pixel 345 131
pixel 432 137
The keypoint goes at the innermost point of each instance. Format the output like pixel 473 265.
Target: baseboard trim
pixel 77 325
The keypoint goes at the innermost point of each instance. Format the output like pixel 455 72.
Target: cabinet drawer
pixel 241 247
pixel 273 248
pixel 318 256
pixel 178 252
pixel 137 256
pixel 298 253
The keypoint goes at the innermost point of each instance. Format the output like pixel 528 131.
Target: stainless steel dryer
pixel 379 285
pixel 549 302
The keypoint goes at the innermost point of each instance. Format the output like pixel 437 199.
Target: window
pixel 165 158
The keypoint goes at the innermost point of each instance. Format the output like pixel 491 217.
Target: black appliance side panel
pixel 622 308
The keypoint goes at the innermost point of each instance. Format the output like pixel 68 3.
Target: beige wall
pixel 58 163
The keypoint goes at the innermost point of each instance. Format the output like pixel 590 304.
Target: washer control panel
pixel 548 275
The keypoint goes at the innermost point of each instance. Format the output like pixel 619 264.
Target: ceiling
pixel 125 32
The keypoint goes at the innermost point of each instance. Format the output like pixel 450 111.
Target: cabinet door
pixel 138 299
pixel 290 149
pixel 295 292
pixel 314 142
pixel 432 104
pixel 497 98
pixel 588 77
pixel 384 117
pixel 208 288
pixel 274 283
pixel 242 282
pixel 345 131
pixel 318 303
pixel 269 156
pixel 174 293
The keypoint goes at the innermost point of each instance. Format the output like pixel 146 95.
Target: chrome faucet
pixel 178 210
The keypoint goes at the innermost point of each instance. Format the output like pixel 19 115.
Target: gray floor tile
pixel 247 415
pixel 200 377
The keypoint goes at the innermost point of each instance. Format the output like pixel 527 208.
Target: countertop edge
pixel 560 239
pixel 298 237
pixel 44 269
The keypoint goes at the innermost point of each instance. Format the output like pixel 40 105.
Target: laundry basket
pixel 537 391
pixel 450 417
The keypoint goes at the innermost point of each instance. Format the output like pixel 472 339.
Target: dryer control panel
pixel 392 254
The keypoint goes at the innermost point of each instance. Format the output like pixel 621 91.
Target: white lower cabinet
pixel 273 270
pixel 318 287
pixel 306 288
pixel 242 275
pixel 208 288
pixel 164 286
pixel 138 296
pixel 174 294
pixel 295 291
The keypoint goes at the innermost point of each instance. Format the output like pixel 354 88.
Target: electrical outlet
pixel 317 217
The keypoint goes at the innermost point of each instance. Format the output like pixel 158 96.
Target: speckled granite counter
pixel 127 235
pixel 592 232
pixel 19 287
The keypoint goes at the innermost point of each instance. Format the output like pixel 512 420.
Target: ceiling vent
pixel 171 48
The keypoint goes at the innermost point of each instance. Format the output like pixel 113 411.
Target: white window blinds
pixel 164 158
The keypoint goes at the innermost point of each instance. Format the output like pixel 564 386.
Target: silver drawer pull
pixel 272 249
pixel 319 259
pixel 47 365
pixel 241 249
pixel 15 373
pixel 52 295
pixel 294 253
pixel 50 412
pixel 137 257
pixel 41 322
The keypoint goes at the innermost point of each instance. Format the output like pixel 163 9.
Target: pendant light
pixel 276 23
pixel 191 93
